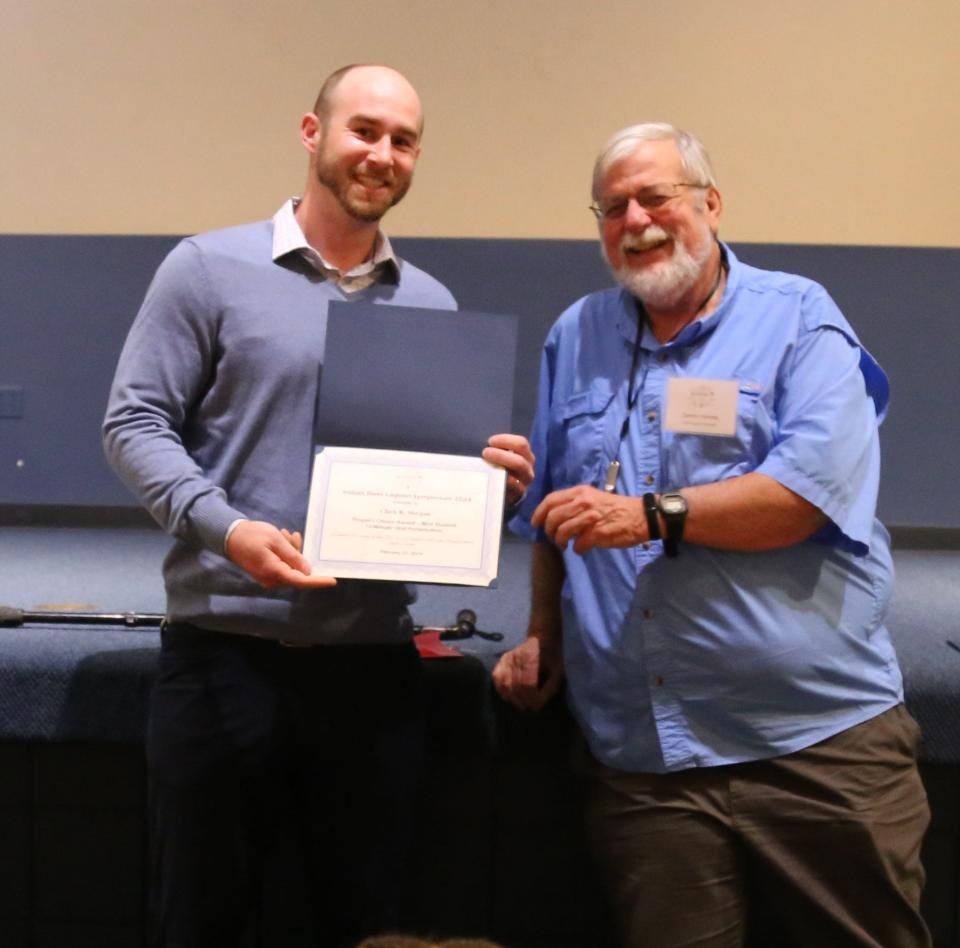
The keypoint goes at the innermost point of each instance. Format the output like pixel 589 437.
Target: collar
pixel 288 238
pixel 694 331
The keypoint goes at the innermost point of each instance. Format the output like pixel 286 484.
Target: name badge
pixel 702 406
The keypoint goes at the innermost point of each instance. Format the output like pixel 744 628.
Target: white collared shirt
pixel 288 237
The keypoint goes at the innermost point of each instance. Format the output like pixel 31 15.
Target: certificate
pixel 405 516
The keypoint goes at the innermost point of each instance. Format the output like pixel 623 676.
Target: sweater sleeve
pixel 165 366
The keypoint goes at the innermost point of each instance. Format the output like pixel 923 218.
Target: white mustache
pixel 651 237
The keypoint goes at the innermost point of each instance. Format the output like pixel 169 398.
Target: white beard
pixel 663 284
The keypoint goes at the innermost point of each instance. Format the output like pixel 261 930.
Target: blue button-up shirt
pixel 717 657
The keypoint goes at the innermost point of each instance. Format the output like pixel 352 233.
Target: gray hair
pixel 693 156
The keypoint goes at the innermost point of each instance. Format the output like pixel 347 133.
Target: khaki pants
pixel 825 843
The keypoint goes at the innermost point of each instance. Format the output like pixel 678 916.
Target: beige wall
pixel 830 121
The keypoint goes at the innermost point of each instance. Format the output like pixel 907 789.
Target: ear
pixel 310 132
pixel 713 207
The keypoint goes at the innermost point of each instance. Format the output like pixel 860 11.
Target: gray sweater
pixel 210 418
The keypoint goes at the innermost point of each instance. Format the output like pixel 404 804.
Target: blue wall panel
pixel 66 303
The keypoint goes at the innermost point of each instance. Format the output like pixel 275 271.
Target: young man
pixel 281 697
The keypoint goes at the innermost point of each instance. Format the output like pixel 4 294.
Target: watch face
pixel 672 504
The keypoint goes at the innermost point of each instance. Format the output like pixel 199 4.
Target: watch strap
pixel 674 521
pixel 651 509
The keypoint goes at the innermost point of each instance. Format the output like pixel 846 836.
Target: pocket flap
pixel 588 402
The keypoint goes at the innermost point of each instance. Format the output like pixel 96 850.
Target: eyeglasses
pixel 651 198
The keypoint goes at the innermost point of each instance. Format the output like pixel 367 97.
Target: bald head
pixel 373 79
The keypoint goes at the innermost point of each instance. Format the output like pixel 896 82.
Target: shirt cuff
pixel 230 529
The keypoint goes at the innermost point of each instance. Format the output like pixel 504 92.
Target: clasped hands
pixel 273 556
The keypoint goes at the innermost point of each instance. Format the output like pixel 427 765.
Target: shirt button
pixel 648 613
pixel 645 544
pixel 658 681
pixel 651 416
pixel 661 357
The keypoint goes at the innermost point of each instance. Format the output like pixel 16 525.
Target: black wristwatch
pixel 673 507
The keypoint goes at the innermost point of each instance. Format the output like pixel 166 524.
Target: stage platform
pixel 72 710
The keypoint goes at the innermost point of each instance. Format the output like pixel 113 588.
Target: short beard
pixel 367 211
pixel 664 284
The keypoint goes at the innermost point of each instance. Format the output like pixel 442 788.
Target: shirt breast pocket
pixel 703 459
pixel 577 431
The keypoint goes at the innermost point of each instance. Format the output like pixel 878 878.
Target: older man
pixel 710 575
pixel 283 700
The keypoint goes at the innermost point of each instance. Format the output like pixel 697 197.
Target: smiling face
pixel 367 141
pixel 658 253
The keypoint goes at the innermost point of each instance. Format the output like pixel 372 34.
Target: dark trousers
pixel 823 845
pixel 282 790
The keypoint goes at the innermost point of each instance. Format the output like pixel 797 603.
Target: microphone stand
pixel 13 618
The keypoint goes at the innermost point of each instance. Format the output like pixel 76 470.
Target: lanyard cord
pixel 633 393
pixel 613 471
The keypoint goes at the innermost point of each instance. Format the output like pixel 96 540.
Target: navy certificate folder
pixel 403 378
